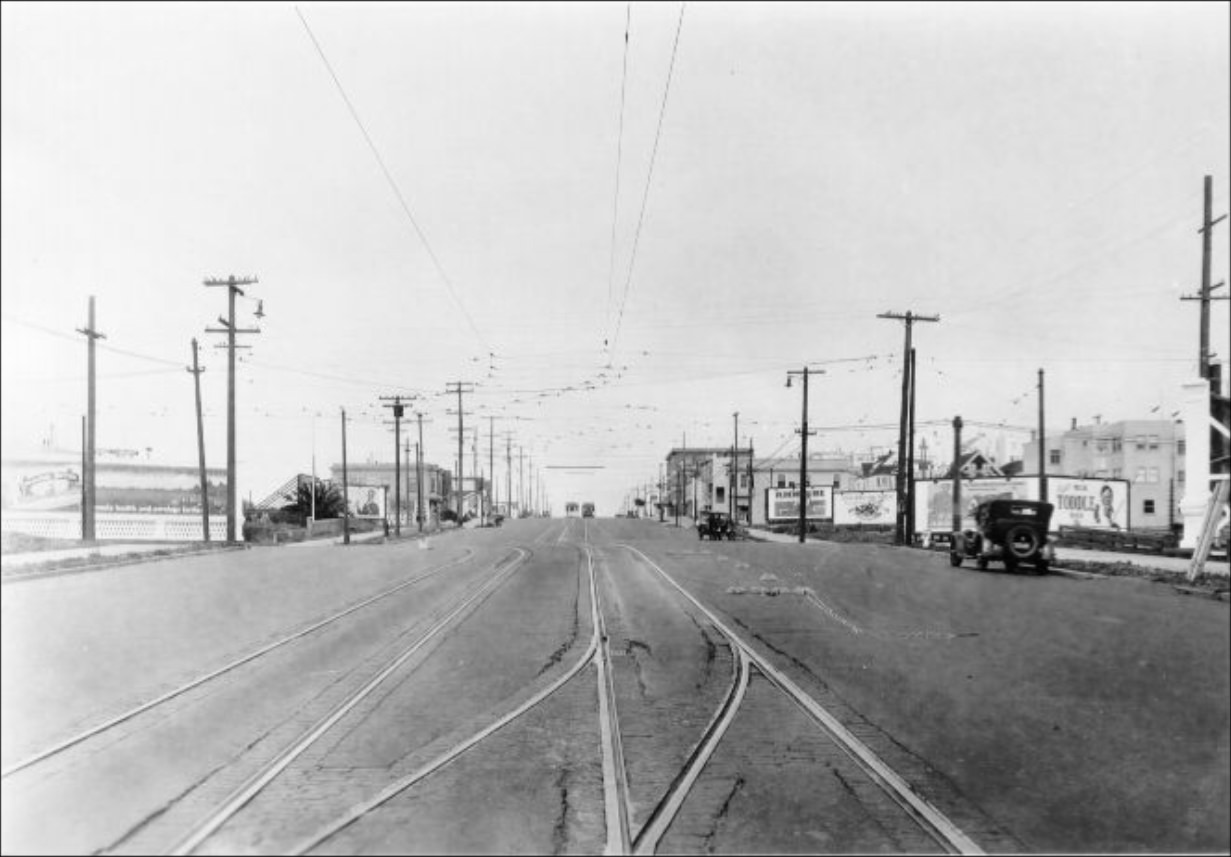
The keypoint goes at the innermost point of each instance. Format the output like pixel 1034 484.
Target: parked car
pixel 1010 531
pixel 716 525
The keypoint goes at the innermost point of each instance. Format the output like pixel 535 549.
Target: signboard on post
pixel 864 507
pixel 782 504
pixel 366 501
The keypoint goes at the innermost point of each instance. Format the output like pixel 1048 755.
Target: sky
pixel 617 225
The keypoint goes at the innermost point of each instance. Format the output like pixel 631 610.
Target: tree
pixel 329 502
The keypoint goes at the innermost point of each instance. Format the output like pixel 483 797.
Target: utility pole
pixel 196 371
pixel 751 484
pixel 1042 444
pixel 398 410
pixel 508 483
pixel 459 387
pixel 232 284
pixel 910 458
pixel 733 505
pixel 957 476
pixel 419 472
pixel 521 480
pixel 491 465
pixel 910 318
pixel 1203 358
pixel 88 469
pixel 345 487
pixel 803 454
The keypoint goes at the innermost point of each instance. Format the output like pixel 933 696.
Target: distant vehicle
pixel 587 510
pixel 1010 531
pixel 716 525
pixel 571 509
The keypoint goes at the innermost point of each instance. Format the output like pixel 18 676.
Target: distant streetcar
pixel 571 509
pixel 587 510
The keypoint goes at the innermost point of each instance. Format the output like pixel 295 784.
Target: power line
pixel 662 111
pixel 615 205
pixel 393 184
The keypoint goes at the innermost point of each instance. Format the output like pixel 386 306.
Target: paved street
pixel 592 685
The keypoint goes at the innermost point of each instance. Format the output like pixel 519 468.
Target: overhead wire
pixel 662 111
pixel 397 192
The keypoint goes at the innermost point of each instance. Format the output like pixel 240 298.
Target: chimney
pixel 1074 426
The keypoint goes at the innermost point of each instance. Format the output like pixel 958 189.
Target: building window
pixel 1053 457
pixel 1147 507
pixel 720 494
pixel 1117 444
pixel 1153 439
pixel 743 481
pixel 1151 474
pixel 1141 441
pixel 1179 476
pixel 1140 475
pixel 1181 447
pixel 781 481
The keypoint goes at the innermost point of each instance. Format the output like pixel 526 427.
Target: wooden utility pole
pixel 459 387
pixel 345 487
pixel 232 284
pixel 196 371
pixel 803 454
pixel 398 410
pixel 732 505
pixel 419 473
pixel 1207 224
pixel 909 318
pixel 910 458
pixel 957 475
pixel 508 487
pixel 521 480
pixel 88 469
pixel 491 466
pixel 1042 445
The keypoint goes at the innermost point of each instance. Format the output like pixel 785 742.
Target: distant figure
pixel 370 506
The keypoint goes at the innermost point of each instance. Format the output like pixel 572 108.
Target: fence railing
pixel 115 526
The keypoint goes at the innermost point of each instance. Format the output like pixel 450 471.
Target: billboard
pixel 366 501
pixel 865 507
pixel 782 504
pixel 1079 502
pixel 1097 503
pixel 934 499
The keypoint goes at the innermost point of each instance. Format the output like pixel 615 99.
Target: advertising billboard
pixel 366 501
pixel 934 499
pixel 864 507
pixel 782 504
pixel 1096 503
pixel 1079 502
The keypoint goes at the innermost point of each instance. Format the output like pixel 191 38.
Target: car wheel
pixel 1041 567
pixel 1021 542
pixel 955 559
pixel 982 563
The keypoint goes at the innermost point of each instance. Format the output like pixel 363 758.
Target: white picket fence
pixel 115 526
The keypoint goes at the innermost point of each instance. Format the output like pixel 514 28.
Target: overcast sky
pixel 504 195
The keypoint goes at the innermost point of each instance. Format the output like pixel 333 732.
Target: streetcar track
pixel 257 783
pixel 136 711
pixel 358 811
pixel 928 817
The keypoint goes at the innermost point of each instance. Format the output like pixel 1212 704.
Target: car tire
pixel 981 562
pixel 1041 567
pixel 955 559
pixel 1020 542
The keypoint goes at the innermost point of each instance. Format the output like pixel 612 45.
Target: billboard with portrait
pixel 366 501
pixel 864 507
pixel 782 504
pixel 1096 503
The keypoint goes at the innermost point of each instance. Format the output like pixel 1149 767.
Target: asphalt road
pixel 582 686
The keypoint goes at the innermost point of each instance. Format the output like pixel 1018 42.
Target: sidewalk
pixel 15 561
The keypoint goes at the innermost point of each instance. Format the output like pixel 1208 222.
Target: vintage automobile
pixel 716 525
pixel 1010 531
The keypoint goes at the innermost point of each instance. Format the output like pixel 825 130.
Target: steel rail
pixel 271 770
pixel 235 664
pixel 931 819
pixel 615 776
pixel 665 812
pixel 358 811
